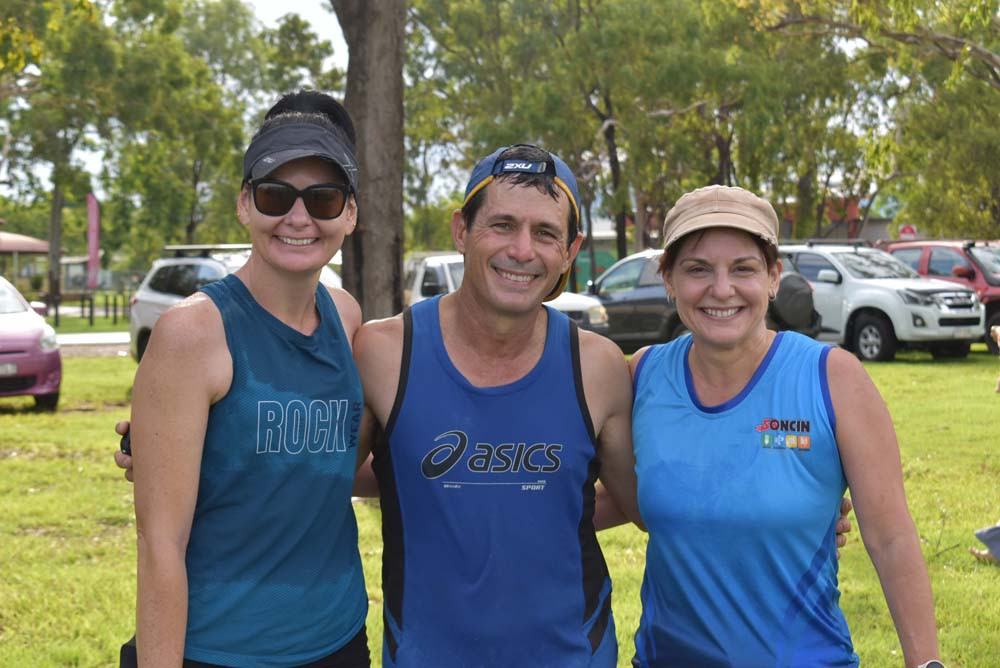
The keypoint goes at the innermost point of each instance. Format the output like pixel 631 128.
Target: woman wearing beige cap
pixel 745 441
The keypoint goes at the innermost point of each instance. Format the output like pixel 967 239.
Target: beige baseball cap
pixel 721 206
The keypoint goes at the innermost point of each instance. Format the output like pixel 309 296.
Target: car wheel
pixel 47 402
pixel 991 345
pixel 874 340
pixel 956 349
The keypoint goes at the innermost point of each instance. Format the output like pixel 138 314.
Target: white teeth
pixel 721 312
pixel 520 278
pixel 296 242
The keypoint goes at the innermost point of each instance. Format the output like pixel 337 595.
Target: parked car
pixel 30 363
pixel 973 264
pixel 873 304
pixel 184 272
pixel 429 274
pixel 639 313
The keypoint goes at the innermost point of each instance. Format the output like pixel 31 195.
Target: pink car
pixel 30 363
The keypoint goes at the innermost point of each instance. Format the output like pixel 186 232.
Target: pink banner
pixel 93 243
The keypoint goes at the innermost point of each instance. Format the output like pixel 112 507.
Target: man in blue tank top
pixel 489 444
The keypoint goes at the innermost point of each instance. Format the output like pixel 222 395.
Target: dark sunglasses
pixel 324 201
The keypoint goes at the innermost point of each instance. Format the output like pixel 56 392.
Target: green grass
pixel 67 538
pixel 75 325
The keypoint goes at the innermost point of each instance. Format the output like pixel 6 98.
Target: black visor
pixel 284 143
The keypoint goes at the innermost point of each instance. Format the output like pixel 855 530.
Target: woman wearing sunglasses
pixel 246 410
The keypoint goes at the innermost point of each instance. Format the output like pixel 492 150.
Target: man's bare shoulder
pixel 375 337
pixel 600 352
pixel 606 382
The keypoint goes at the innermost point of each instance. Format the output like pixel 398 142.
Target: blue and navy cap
pixel 492 166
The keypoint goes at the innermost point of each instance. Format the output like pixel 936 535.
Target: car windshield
pixel 874 264
pixel 988 258
pixel 9 301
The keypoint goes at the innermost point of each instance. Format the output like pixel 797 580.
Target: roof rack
pixel 202 250
pixel 839 242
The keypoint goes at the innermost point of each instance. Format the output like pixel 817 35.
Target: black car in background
pixel 639 313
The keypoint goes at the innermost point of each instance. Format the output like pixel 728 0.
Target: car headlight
pixel 915 298
pixel 598 315
pixel 48 340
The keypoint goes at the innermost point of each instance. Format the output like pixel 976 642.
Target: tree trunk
pixel 374 32
pixel 616 178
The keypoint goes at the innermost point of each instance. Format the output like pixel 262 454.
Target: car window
pixel 874 264
pixel 943 260
pixel 189 278
pixel 162 280
pixel 622 278
pixel 909 256
pixel 651 273
pixel 988 258
pixel 810 264
pixel 9 303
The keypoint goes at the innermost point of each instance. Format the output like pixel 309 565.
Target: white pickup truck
pixel 872 304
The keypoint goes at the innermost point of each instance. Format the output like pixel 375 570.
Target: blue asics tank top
pixel 740 500
pixel 274 574
pixel 490 554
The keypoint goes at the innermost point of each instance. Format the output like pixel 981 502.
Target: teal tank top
pixel 740 500
pixel 274 574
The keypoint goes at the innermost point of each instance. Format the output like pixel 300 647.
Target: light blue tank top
pixel 490 554
pixel 274 574
pixel 740 500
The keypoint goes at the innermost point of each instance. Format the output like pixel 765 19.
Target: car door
pixel 652 310
pixel 942 262
pixel 828 298
pixel 616 290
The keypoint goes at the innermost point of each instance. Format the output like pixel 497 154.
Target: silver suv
pixel 171 279
pixel 872 304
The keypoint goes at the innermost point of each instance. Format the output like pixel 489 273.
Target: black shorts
pixel 352 655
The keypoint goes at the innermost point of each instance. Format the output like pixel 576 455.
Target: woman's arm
pixel 185 369
pixel 870 456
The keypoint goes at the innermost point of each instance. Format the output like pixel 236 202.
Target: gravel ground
pixel 96 350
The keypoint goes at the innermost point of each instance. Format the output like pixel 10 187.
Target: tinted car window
pixel 188 278
pixel 909 256
pixel 810 264
pixel 623 278
pixel 162 280
pixel 943 260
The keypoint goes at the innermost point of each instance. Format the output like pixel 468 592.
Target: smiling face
pixel 516 248
pixel 296 242
pixel 722 283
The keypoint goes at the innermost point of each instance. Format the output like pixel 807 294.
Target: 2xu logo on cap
pixel 488 458
pixel 522 166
